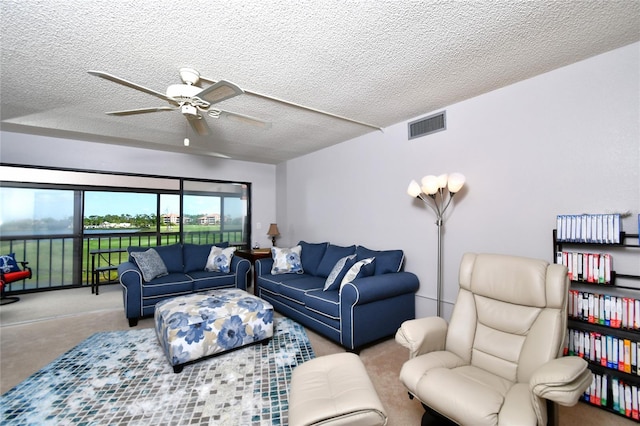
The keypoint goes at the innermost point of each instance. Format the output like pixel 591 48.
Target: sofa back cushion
pixel 195 255
pixel 311 256
pixel 171 255
pixel 387 261
pixel 331 257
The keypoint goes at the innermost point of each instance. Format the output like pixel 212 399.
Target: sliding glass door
pixel 38 225
pixel 69 224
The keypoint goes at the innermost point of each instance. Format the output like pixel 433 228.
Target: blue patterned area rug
pixel 123 377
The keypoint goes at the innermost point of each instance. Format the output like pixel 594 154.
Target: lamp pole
pixel 437 192
pixel 439 290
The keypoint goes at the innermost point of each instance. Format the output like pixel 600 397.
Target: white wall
pixel 16 148
pixel 566 142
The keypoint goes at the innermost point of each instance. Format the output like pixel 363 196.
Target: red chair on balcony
pixel 10 272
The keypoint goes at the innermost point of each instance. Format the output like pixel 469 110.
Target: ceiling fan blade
pixel 219 91
pixel 135 86
pixel 198 124
pixel 295 105
pixel 140 111
pixel 217 154
pixel 217 113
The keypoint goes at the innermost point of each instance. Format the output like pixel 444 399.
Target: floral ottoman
pixel 198 325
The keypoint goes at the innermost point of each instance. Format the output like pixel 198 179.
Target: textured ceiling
pixel 380 62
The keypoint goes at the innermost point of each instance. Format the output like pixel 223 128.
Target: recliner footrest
pixel 334 390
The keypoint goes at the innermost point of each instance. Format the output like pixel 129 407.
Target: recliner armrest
pixel 423 335
pixel 562 380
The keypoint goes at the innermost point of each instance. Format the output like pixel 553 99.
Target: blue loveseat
pixel 361 310
pixel 185 267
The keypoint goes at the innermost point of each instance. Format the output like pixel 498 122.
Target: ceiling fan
pixel 191 100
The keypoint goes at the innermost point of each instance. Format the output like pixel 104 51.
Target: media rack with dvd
pixel 604 311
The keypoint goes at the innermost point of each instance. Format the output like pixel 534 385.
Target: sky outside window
pixel 119 203
pixel 27 211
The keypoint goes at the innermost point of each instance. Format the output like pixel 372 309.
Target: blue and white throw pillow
pixel 286 260
pixel 219 259
pixel 150 264
pixel 338 272
pixel 8 263
pixel 362 268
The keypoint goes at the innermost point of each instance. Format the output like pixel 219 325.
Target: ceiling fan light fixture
pixel 189 76
pixel 189 110
pixel 182 92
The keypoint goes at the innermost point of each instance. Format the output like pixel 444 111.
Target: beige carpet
pixel 42 326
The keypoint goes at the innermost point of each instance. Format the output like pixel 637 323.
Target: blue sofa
pixel 185 265
pixel 366 309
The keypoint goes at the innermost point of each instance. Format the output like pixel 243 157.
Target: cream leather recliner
pixel 497 361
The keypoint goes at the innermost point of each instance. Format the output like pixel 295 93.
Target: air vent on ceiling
pixel 425 126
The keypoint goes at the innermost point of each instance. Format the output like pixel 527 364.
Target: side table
pixel 105 254
pixel 253 255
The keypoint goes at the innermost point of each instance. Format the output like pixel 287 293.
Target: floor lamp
pixel 437 193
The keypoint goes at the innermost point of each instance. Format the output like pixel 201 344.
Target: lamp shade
pixel 430 185
pixel 456 182
pixel 442 181
pixel 414 189
pixel 273 230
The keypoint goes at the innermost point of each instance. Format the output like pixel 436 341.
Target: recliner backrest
pixel 510 314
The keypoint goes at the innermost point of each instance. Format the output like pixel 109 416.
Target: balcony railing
pixel 67 261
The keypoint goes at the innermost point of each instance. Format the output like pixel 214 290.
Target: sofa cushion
pixel 286 260
pixel 172 257
pixel 311 256
pixel 170 285
pixel 323 302
pixel 360 269
pixel 331 257
pixel 295 289
pixel 203 280
pixel 195 255
pixel 338 272
pixel 219 259
pixel 387 261
pixel 150 264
